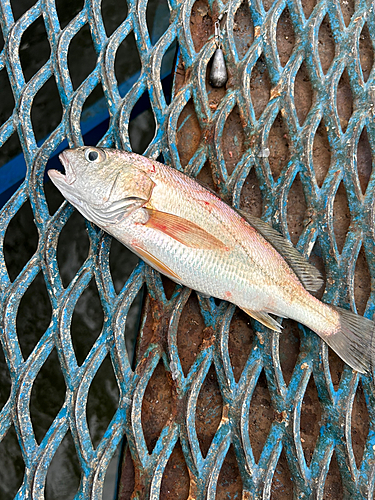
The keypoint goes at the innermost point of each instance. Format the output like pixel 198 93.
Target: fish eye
pixel 94 155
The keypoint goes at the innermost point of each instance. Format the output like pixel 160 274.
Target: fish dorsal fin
pixel 309 276
pixel 182 230
pixel 265 319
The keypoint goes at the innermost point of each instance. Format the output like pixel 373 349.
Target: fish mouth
pixel 69 176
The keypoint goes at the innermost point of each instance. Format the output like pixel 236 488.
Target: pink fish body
pixel 189 234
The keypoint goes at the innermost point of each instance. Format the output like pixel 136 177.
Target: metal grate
pixel 301 82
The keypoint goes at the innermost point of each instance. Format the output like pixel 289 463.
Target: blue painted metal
pixel 336 404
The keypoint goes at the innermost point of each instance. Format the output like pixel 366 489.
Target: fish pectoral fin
pixel 156 263
pixel 265 319
pixel 182 230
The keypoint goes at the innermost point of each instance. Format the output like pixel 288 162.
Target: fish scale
pixel 189 234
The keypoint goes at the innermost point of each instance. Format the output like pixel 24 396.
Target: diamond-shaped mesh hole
pixel 102 401
pixel 336 367
pixel 132 324
pixel 366 52
pixel 188 133
pixel 317 261
pixel 360 424
pixel 321 153
pixel 205 175
pixel 122 263
pixel 190 333
pixel 19 8
pixel 229 483
pixel 208 411
pixel 21 240
pixel 53 196
pixel 303 93
pixel 34 48
pixel 267 4
pixel 285 37
pixel 9 150
pixel 261 416
pixel 126 481
pixel 260 86
pixel 364 160
pixel 326 44
pixel 344 100
pixel 166 68
pixel 175 483
pixel 110 480
pixel 67 10
pixel 201 24
pixel 362 282
pixel 93 136
pixel 279 146
pixel 64 473
pixel 81 48
pixel 72 248
pixel 282 479
pixel 168 285
pixel 12 466
pixel 215 94
pixel 296 209
pixel 141 125
pixel 243 29
pixel 113 16
pixel 47 395
pixel 157 17
pixel 289 343
pixel 5 380
pixel 87 321
pixel 341 216
pixel 308 7
pixel 251 196
pixel 126 67
pixel 46 111
pixel 156 406
pixel 333 484
pixel 33 315
pixel 7 100
pixel 233 140
pixel 347 9
pixel 310 420
pixel 241 337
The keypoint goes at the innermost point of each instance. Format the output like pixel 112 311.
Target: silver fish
pixel 189 234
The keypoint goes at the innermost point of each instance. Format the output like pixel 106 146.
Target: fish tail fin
pixel 354 341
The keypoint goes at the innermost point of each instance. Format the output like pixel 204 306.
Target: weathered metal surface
pixel 217 406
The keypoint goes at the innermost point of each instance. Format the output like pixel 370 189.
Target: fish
pixel 189 234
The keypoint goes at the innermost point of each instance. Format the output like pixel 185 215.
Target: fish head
pixel 105 185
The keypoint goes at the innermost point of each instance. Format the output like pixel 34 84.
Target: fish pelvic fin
pixel 182 230
pixel 308 275
pixel 265 319
pixel 354 340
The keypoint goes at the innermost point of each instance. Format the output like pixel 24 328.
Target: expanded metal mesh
pixel 239 135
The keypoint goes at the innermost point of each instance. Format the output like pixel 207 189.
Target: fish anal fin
pixel 183 230
pixel 264 318
pixel 156 263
